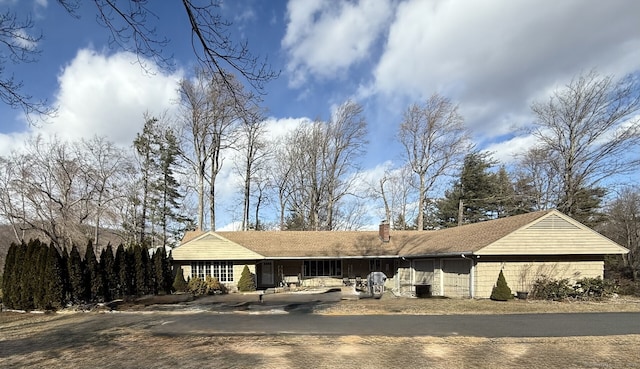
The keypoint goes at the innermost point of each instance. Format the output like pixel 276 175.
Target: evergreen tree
pixel 246 282
pixel 93 274
pixel 167 273
pixel 28 275
pixel 76 277
pixel 64 269
pixel 477 190
pixel 109 274
pixel 179 283
pixel 141 266
pixel 53 280
pixel 39 287
pixel 501 291
pixel 8 278
pixel 17 282
pixel 123 267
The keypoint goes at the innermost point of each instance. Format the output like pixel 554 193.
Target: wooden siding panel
pixel 520 276
pixel 560 241
pixel 210 247
pixel 455 277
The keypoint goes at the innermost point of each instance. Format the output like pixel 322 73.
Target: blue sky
pixel 492 57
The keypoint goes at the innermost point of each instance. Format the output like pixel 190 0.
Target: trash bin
pixel 423 290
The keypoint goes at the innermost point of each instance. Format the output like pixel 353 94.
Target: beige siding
pixel 456 277
pixel 553 235
pixel 521 275
pixel 212 247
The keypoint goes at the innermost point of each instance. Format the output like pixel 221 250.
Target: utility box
pixel 375 282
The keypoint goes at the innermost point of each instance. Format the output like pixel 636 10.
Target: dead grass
pixel 443 306
pixel 73 340
pixel 50 342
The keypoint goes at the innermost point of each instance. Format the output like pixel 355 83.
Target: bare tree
pixel 590 128
pixel 346 139
pixel 434 139
pixel 55 192
pixel 394 188
pixel 208 124
pixel 196 147
pixel 280 177
pixel 536 180
pixel 623 226
pixel 132 26
pixel 323 163
pixel 252 147
pixel 20 46
pixel 107 166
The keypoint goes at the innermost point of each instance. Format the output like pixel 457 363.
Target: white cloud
pixel 107 95
pixel 326 37
pixel 495 57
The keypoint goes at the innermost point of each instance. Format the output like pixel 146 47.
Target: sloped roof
pixel 466 238
pixel 485 238
pixel 299 244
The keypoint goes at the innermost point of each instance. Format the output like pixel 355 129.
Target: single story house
pixel 456 262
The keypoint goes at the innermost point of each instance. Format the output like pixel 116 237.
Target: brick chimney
pixel 383 231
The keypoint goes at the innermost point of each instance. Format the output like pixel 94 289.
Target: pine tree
pixel 246 282
pixel 501 292
pixel 76 277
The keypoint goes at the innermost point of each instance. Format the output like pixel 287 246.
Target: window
pixel 222 270
pixel 323 268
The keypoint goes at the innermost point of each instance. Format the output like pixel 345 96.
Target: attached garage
pixel 525 247
pixel 456 277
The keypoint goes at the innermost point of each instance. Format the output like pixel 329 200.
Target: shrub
pixel 179 284
pixel 545 288
pixel 594 289
pixel 208 286
pixel 501 291
pixel 246 282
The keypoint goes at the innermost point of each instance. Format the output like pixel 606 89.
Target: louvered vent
pixel 211 237
pixel 553 222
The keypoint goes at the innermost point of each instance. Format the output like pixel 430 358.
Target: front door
pixel 267 273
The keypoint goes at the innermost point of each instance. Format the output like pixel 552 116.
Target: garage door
pixel 455 275
pixel 423 272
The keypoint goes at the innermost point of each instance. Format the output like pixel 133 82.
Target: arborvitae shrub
pixel 501 292
pixel 246 282
pixel 179 284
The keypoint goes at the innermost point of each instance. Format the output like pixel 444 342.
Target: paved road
pixel 521 325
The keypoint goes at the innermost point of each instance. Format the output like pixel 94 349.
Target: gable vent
pixel 553 222
pixel 211 237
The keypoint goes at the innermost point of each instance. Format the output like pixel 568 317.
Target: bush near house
pixel 208 286
pixel 501 291
pixel 584 289
pixel 179 284
pixel 246 282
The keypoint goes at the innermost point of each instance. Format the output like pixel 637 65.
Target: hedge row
pixel 39 276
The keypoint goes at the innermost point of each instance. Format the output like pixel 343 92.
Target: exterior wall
pixel 553 235
pixel 237 272
pixel 521 275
